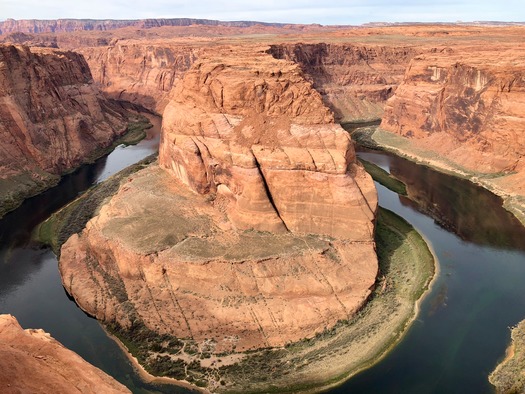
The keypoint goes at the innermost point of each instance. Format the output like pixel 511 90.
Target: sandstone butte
pixel 37 363
pixel 52 119
pixel 258 210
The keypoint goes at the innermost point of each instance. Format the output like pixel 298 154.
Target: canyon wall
pixel 52 118
pixel 31 361
pixel 71 25
pixel 355 80
pixel 138 72
pixel 468 108
pixel 258 210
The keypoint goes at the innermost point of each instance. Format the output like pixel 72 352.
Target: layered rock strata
pixel 252 131
pixel 52 118
pixel 354 80
pixel 71 25
pixel 258 233
pixel 31 361
pixel 468 109
pixel 137 72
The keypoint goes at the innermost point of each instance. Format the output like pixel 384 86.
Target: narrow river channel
pixel 462 328
pixel 460 333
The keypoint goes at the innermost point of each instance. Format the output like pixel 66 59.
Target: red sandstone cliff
pixel 52 118
pixel 355 80
pixel 282 220
pixel 138 72
pixel 71 25
pixel 468 108
pixel 31 361
pixel 247 119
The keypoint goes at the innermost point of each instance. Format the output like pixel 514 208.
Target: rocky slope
pixel 31 361
pixel 262 211
pixel 354 79
pixel 52 119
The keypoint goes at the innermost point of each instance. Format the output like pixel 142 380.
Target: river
pixel 461 331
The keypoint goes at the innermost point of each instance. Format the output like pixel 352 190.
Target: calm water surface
pixel 462 329
pixel 459 336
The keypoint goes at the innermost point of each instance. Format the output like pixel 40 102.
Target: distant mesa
pixel 70 25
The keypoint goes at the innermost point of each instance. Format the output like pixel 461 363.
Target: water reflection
pixel 462 329
pixel 471 212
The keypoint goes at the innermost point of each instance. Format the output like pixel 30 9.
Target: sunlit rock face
pixel 469 107
pixel 257 210
pixel 250 130
pixel 354 80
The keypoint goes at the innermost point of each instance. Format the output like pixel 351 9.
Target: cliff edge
pixel 31 361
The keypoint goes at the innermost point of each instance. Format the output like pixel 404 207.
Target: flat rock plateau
pixel 255 229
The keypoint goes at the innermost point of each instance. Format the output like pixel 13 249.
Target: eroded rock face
pixel 251 131
pixel 138 72
pixel 354 80
pixel 258 233
pixel 31 361
pixel 467 107
pixel 52 117
pixel 71 25
pixel 161 256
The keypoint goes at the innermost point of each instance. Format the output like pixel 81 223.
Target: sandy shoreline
pixel 509 375
pixel 145 376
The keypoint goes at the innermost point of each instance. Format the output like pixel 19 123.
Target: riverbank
pixel 509 376
pixel 375 138
pixel 14 190
pixel 384 178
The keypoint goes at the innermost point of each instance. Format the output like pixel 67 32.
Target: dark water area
pixel 457 339
pixel 462 329
pixel 470 211
pixel 30 285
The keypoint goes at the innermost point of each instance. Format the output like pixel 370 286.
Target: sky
pixel 325 12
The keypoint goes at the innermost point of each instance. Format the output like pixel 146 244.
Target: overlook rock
pixel 31 361
pixel 257 211
pixel 252 131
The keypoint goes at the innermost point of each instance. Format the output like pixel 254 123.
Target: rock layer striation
pixel 467 110
pixel 261 211
pixel 52 118
pixel 251 130
pixel 355 80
